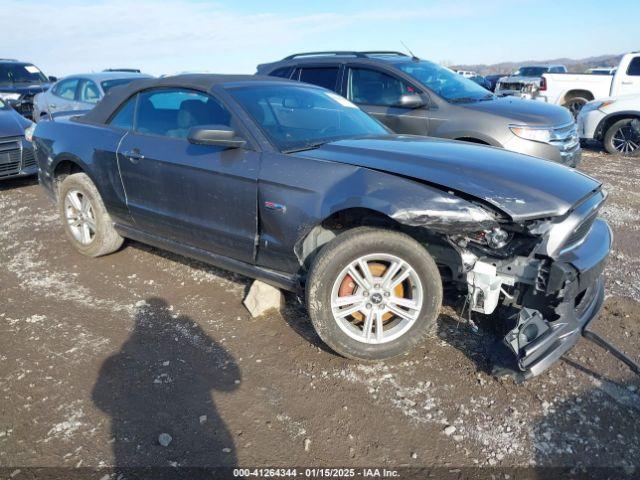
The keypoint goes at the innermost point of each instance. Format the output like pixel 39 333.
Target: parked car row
pixel 294 184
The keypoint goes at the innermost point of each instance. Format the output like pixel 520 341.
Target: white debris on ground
pixel 263 298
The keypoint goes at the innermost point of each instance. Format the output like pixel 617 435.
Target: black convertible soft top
pixel 196 81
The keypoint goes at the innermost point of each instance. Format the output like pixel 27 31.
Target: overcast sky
pixel 73 36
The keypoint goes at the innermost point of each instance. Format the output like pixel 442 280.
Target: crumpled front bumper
pixel 579 275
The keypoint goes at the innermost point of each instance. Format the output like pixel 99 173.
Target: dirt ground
pixel 98 357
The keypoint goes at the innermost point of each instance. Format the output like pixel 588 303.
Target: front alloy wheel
pixel 376 298
pixel 373 293
pixel 623 138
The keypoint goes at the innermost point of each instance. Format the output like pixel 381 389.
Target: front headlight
pixel 542 134
pixel 9 96
pixel 28 132
pixel 496 238
pixel 596 105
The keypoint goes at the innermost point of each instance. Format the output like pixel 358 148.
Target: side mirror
pixel 215 135
pixel 412 101
pixel 53 79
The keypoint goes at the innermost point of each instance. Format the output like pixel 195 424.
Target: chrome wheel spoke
pixel 364 267
pixel 402 313
pixel 404 274
pixel 404 302
pixel 390 273
pixel 361 282
pixel 85 233
pixel 74 222
pixel 379 326
pixel 368 325
pixel 345 312
pixel 91 224
pixel 75 201
pixel 86 206
pixel 346 301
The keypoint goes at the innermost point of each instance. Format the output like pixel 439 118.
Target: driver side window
pixel 372 87
pixel 172 112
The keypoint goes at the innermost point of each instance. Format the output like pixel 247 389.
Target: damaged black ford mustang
pixel 293 184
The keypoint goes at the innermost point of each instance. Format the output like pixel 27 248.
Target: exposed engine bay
pixel 542 278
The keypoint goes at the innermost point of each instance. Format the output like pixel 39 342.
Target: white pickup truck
pixel 573 90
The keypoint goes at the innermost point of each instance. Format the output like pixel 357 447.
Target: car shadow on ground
pixel 15 183
pixel 158 390
pixel 294 312
pixel 483 347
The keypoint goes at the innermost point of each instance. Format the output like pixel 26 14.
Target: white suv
pixel 615 121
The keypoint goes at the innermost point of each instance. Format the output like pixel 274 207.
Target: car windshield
pixel 109 84
pixel 21 73
pixel 444 82
pixel 296 117
pixel 531 71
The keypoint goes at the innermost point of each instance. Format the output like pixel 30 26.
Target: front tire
pixel 373 294
pixel 87 224
pixel 623 138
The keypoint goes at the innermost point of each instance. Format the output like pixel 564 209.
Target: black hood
pixel 12 124
pixel 23 88
pixel 523 112
pixel 521 186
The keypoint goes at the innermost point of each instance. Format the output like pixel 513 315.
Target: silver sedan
pixel 79 92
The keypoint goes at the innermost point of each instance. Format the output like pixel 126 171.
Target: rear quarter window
pixel 326 77
pixel 634 67
pixel 284 72
pixel 123 118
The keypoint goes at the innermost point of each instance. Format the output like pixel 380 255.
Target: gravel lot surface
pixel 100 357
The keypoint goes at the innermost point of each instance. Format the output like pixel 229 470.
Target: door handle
pixel 52 105
pixel 134 156
pixel 627 83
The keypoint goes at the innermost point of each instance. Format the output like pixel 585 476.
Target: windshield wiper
pixel 464 100
pixel 308 146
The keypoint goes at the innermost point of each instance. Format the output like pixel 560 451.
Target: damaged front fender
pixel 446 214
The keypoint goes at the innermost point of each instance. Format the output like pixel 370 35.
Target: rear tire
pixel 334 288
pixel 86 222
pixel 614 138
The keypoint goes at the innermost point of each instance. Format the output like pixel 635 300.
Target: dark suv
pixel 19 83
pixel 418 97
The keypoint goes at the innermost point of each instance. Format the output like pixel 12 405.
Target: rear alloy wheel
pixel 575 104
pixel 623 138
pixel 373 294
pixel 80 217
pixel 87 224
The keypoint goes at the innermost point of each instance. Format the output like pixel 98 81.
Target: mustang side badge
pixel 275 206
